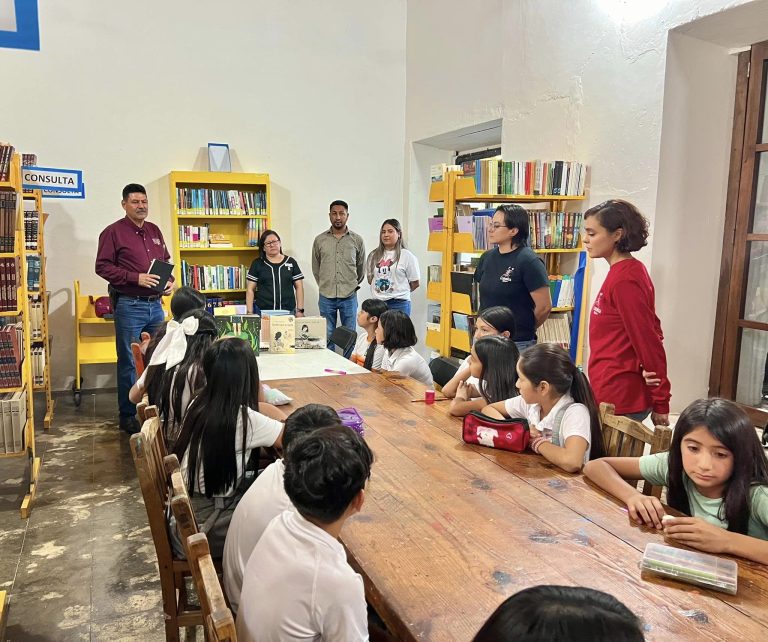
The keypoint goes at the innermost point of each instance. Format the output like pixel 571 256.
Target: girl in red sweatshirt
pixel 625 335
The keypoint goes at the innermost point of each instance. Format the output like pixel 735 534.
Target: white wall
pixel 585 79
pixel 311 92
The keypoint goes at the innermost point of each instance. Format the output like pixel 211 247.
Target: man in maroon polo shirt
pixel 126 249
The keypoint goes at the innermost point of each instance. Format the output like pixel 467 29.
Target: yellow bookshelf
pixel 453 189
pixel 22 314
pixel 233 226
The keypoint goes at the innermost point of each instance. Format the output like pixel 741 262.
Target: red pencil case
pixel 504 434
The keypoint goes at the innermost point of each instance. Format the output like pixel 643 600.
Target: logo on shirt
pixel 289 266
pixel 507 276
pixel 157 241
pixel 596 307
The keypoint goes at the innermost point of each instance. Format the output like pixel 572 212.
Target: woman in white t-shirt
pixel 393 271
pixel 398 336
pixel 213 446
pixel 557 401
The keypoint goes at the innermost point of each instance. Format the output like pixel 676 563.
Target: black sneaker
pixel 130 425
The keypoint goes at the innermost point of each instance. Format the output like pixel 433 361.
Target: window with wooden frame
pixel 740 349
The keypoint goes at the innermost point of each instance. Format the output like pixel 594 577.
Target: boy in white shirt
pixel 298 584
pixel 266 499
pixel 368 320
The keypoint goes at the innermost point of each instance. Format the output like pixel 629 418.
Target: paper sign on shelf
pixel 52 179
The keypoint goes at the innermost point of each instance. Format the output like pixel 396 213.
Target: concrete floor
pixel 83 566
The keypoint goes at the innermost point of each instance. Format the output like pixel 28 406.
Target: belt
pixel 154 297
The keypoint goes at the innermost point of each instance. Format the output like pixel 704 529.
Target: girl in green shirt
pixel 715 472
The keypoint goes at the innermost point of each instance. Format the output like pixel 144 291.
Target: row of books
pixel 31 227
pixel 34 265
pixel 13 421
pixel 272 330
pixel 6 155
pixel 11 354
pixel 561 290
pixel 7 221
pixel 38 365
pixel 554 230
pixel 9 284
pixel 556 329
pixel 203 201
pixel 36 319
pixel 434 273
pixel 527 178
pixel 213 277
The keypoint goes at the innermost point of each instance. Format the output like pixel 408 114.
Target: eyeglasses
pixel 271 243
pixel 496 226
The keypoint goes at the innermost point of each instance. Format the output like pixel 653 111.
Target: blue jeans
pixel 522 345
pixel 638 416
pixel 399 304
pixel 132 317
pixel 347 310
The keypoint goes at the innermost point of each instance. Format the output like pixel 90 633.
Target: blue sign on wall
pixel 27 32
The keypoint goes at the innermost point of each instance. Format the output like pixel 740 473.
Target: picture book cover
pixel 310 333
pixel 282 333
pixel 245 326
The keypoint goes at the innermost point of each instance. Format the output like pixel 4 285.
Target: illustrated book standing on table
pixel 310 333
pixel 282 333
pixel 243 326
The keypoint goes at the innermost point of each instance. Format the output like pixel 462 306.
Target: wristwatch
pixel 300 310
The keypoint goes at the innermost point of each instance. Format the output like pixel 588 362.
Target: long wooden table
pixel 449 530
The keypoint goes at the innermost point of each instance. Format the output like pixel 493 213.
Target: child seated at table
pixel 174 373
pixel 492 364
pixel 298 584
pixel 266 499
pixel 223 424
pixel 183 301
pixel 497 320
pixel 716 474
pixel 398 336
pixel 367 351
pixel 561 614
pixel 557 401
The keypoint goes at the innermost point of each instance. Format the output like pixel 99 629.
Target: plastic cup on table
pixel 429 397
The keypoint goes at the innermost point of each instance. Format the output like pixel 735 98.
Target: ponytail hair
pixel 549 362
pixel 373 308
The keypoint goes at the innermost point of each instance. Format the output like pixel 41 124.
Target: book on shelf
pixel 6 155
pixel 31 225
pixel 28 160
pixel 527 178
pixel 556 329
pixel 36 318
pixel 434 327
pixel 435 224
pixel 34 263
pixel 561 290
pixel 433 313
pixel 13 421
pixel 204 201
pixel 7 221
pixel 310 333
pixel 437 172
pixel 243 326
pixel 213 277
pixel 9 284
pixel 481 228
pixel 434 273
pixel 214 303
pixel 38 365
pixel 11 354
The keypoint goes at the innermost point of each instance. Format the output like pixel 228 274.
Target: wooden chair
pixel 218 620
pixel 182 509
pixel 625 437
pixel 148 449
pixel 138 358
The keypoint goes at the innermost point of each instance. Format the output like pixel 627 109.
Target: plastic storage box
pixel 352 419
pixel 701 569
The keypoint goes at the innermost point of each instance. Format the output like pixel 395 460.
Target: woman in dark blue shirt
pixel 274 280
pixel 513 275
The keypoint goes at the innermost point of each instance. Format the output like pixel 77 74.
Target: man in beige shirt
pixel 338 263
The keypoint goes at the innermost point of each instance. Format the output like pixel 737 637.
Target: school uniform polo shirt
pixel 125 251
pixel 299 586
